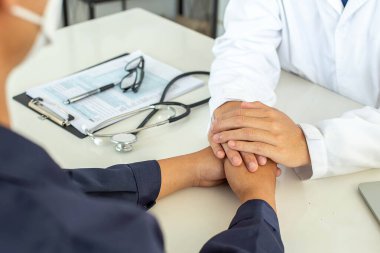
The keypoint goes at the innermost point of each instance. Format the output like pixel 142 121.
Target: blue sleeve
pixel 43 210
pixel 254 229
pixel 137 183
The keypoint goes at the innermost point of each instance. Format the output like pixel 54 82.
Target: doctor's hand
pixel 263 130
pixel 222 150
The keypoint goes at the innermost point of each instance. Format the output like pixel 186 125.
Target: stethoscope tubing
pixel 163 96
pixel 120 118
pixel 110 135
pixel 178 104
pixel 155 108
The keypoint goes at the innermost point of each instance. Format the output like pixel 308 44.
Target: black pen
pixel 89 93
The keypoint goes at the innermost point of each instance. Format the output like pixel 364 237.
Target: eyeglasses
pixel 135 75
pixel 132 80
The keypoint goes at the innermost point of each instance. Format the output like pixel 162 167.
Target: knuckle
pixel 239 120
pixel 223 137
pixel 217 125
pixel 274 126
pixel 278 138
pixel 243 119
pixel 239 112
pixel 247 132
pixel 281 150
pixel 259 148
pixel 270 112
pixel 270 124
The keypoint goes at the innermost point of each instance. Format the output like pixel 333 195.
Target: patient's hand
pixel 258 185
pixel 201 169
pixel 263 130
pixel 209 170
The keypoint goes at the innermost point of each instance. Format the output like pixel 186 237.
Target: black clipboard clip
pixel 39 105
pixel 42 107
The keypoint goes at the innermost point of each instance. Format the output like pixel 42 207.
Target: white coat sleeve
pixel 246 65
pixel 343 145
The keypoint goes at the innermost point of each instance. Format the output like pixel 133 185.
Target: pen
pixel 88 94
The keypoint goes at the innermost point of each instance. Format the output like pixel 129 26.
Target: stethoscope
pixel 124 140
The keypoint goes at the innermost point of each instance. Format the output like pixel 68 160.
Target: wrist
pixel 263 189
pixel 305 155
pixel 176 174
pixel 194 169
pixel 187 173
pixel 188 170
pixel 268 197
pixel 256 193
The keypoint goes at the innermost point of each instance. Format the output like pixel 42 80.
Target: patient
pixel 46 209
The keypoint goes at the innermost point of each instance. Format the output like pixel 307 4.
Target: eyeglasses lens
pixel 134 64
pixel 129 80
pixel 135 75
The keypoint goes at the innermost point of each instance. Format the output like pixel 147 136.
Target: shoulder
pixel 21 158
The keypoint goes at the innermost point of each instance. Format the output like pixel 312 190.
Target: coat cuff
pixel 148 182
pixel 317 152
pixel 256 209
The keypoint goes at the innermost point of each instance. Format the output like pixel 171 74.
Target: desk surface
pixel 326 215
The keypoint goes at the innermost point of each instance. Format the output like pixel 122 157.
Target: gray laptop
pixel 371 195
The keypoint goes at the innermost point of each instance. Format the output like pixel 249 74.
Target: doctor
pixel 46 209
pixel 334 43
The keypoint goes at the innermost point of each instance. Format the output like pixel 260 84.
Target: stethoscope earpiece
pixel 124 142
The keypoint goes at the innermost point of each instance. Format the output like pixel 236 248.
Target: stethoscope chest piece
pixel 168 114
pixel 124 142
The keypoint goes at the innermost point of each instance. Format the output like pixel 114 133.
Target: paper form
pixel 98 108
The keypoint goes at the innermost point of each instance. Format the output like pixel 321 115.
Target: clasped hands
pixel 244 138
pixel 203 169
pixel 249 133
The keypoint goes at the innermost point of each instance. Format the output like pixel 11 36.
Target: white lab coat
pixel 335 47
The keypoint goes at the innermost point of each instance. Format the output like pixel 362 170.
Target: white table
pixel 325 215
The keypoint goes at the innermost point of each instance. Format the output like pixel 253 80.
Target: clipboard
pixel 36 105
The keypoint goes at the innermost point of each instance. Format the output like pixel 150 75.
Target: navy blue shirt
pixel 46 209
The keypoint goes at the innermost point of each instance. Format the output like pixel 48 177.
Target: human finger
pixel 278 172
pixel 232 155
pixel 240 122
pixel 262 160
pixel 250 161
pixel 217 149
pixel 252 112
pixel 245 134
pixel 258 148
pixel 253 105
